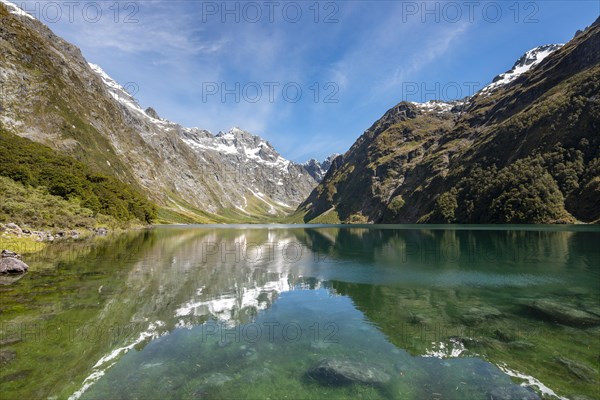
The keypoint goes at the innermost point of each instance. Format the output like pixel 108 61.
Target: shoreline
pixel 26 241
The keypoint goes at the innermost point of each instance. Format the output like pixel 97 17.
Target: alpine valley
pixel 228 294
pixel 524 149
pixel 51 96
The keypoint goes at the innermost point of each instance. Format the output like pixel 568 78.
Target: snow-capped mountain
pixel 84 113
pixel 527 61
pixel 524 64
pixel 245 168
pixel 318 169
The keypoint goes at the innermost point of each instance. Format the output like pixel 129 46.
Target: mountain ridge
pixel 414 164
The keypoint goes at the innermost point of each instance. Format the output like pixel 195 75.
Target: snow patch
pixel 529 60
pixel 434 105
pixel 120 94
pixel 16 10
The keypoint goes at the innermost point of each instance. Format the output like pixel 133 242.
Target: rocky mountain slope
pixel 51 95
pixel 317 169
pixel 525 149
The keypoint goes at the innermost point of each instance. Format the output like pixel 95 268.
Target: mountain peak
pixel 317 169
pixel 535 56
pixel 233 133
pixel 438 106
pixel 527 61
pixel 236 131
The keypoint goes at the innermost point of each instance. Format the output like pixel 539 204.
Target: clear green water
pixel 246 311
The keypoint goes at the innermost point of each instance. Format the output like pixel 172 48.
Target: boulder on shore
pixel 8 253
pixel 10 263
pixel 14 228
pixel 340 372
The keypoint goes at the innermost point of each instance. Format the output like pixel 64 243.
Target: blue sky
pixel 216 65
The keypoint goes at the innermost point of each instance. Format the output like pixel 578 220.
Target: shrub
pixel 33 164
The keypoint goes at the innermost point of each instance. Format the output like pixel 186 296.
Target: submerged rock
pixel 9 341
pixel 217 379
pixel 19 375
pixel 9 279
pixel 581 371
pixel 12 265
pixel 563 313
pixel 340 372
pixel 319 345
pixel 513 393
pixel 477 315
pixel 151 365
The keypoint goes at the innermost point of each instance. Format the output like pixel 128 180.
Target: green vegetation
pixel 179 211
pixel 358 218
pixel 86 194
pixel 396 204
pixel 170 216
pixel 21 245
pixel 446 206
pixel 296 217
pixel 37 209
pixel 530 190
pixel 523 192
pixel 329 217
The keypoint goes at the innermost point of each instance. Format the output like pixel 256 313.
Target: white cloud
pixel 435 47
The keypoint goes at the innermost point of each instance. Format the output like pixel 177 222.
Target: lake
pixel 311 312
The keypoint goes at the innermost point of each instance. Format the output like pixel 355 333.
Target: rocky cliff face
pixel 317 169
pixel 50 94
pixel 524 149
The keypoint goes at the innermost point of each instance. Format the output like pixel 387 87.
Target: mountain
pixel 53 96
pixel 524 149
pixel 243 171
pixel 317 169
pixel 530 59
